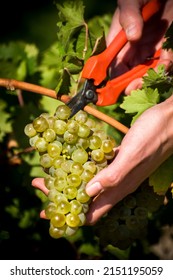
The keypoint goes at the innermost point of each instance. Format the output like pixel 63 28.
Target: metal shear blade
pixel 85 96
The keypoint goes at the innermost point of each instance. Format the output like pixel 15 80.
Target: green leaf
pixel 168 44
pixel 70 20
pixel 139 101
pixel 6 123
pixel 18 60
pixel 159 79
pixel 162 178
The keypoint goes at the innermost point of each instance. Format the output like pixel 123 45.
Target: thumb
pixel 104 179
pixel 131 19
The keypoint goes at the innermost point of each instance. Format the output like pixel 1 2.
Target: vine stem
pixel 12 84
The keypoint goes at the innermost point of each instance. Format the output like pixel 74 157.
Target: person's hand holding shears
pixel 98 88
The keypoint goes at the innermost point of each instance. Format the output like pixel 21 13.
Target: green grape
pixel 110 156
pixel 33 139
pixel 83 131
pixel 60 173
pixel 101 134
pixel 76 207
pixel 45 115
pixel 72 220
pixel 106 146
pixel 132 222
pixel 101 164
pixel 46 160
pixel 41 145
pixel 79 155
pixel 87 175
pixel 51 121
pixel 49 182
pixel 81 117
pixel 82 142
pixel 72 126
pixel 29 130
pixel 82 218
pixel 63 112
pixel 70 138
pixel 142 199
pixel 70 230
pixel 141 213
pixel 58 220
pixel 91 166
pixel 40 124
pixel 49 135
pixel 129 201
pixel 60 127
pixel 82 196
pixel 60 183
pixel 56 232
pixel 85 207
pixel 124 212
pixel 59 197
pixel 90 123
pixel 57 161
pixel 51 171
pixel 97 155
pixel 76 168
pixel 110 138
pixel 50 210
pixel 74 180
pixel 54 149
pixel 66 165
pixel 53 193
pixel 70 192
pixel 94 142
pixel 63 207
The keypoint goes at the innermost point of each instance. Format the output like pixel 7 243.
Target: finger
pixel 166 58
pixel 135 84
pixel 43 215
pixel 114 28
pixel 106 178
pixel 131 18
pixel 101 205
pixel 39 184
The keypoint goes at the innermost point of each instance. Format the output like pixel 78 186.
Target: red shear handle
pixel 96 66
pixel 109 94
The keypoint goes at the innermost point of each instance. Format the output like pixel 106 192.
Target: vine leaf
pixel 71 20
pixel 139 101
pixel 162 178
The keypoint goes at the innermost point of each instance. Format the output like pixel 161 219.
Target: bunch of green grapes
pixel 128 220
pixel 72 151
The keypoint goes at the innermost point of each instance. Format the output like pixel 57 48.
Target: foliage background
pixel 23 234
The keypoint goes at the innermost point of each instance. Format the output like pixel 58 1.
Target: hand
pixel 147 144
pixel 144 39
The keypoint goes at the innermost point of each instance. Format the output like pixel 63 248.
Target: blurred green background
pixel 35 21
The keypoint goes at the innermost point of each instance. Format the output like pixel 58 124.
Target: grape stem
pixel 11 84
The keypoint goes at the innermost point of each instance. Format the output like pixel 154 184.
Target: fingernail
pixel 131 30
pixel 94 189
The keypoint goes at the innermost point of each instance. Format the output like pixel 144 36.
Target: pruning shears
pixel 96 89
